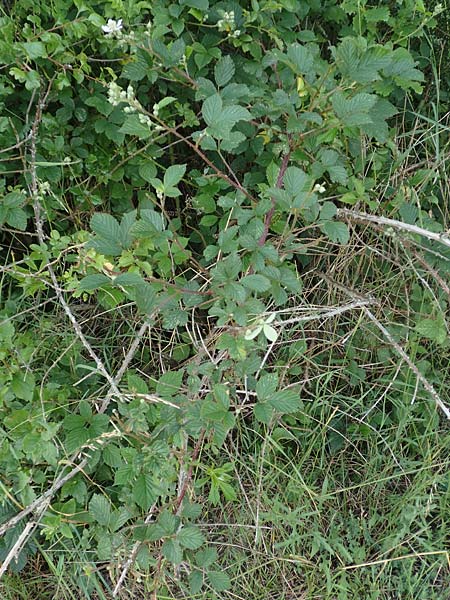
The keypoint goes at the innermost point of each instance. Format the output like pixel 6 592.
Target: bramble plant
pixel 179 178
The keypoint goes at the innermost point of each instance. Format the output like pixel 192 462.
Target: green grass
pixel 349 498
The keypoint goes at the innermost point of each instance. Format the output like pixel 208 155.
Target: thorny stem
pixel 179 503
pixel 269 215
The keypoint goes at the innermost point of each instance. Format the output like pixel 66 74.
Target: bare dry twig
pixel 351 215
pixel 426 384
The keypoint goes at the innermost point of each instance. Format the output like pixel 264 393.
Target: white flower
pixel 112 26
pixel 115 94
pixel 44 187
pixel 145 120
pixel 319 188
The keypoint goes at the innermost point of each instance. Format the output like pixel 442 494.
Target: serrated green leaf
pixel 106 226
pixel 169 384
pixel 295 181
pixel 300 57
pixel 327 211
pixel 100 103
pixel 222 119
pixel 353 111
pixel 266 386
pixel 145 297
pixel 137 68
pixel 378 129
pixel 336 231
pixel 143 491
pixel 190 537
pixel 433 329
pixel 212 109
pixel 133 126
pixel 23 385
pixel 206 557
pixel 13 200
pixel 224 71
pixel 172 551
pixel 173 175
pixel 126 228
pixel 233 114
pixel 285 401
pixel 100 509
pixel 167 523
pixel 263 412
pixel 357 63
pixel 202 5
pixel 119 517
pixel 403 67
pixel 112 456
pixel 103 246
pixel 219 580
pixel 93 282
pixel 150 217
pixel 256 283
pixel 195 582
pixel 17 218
pixel 34 50
pixel 128 279
pixel 147 171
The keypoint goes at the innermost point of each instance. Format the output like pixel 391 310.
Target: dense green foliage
pixel 224 299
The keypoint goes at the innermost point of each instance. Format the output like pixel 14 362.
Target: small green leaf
pixel 266 386
pixel 263 412
pixel 285 401
pixel 147 171
pixel 129 279
pixel 212 109
pixel 168 523
pixel 224 71
pixel 270 333
pixel 195 582
pixel 328 211
pixel 173 175
pixel 201 5
pixel 145 297
pixel 336 231
pixel 106 226
pixel 93 282
pixel 172 551
pixel 169 384
pixel 22 385
pixel 17 218
pixel 256 283
pixel 219 580
pixel 190 537
pixel 133 126
pixel 143 491
pixel 34 50
pixel 112 456
pixel 354 111
pixel 206 557
pixel 100 509
pixel 433 329
pixel 300 57
pixel 295 181
pixel 13 200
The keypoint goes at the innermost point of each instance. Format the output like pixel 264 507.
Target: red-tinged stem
pixel 269 214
